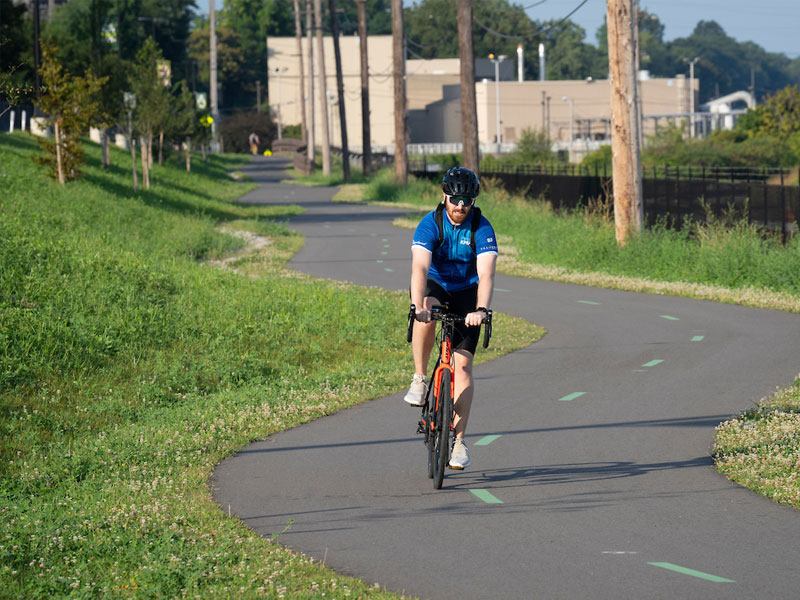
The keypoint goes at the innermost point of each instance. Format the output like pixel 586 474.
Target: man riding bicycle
pixel 453 259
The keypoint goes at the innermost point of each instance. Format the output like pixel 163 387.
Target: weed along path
pixel 591 474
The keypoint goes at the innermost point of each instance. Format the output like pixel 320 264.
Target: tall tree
pixel 299 35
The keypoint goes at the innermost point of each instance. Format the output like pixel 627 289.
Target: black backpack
pixel 438 216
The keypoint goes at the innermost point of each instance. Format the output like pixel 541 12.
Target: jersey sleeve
pixel 427 234
pixel 485 239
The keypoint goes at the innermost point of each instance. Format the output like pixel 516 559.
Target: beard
pixel 457 214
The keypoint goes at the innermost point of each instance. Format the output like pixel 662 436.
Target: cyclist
pixel 447 267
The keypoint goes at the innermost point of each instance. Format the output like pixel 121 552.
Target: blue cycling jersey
pixel 454 263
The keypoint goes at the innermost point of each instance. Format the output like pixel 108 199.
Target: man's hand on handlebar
pixel 422 315
pixel 475 319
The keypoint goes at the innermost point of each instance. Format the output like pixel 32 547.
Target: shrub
pixel 236 128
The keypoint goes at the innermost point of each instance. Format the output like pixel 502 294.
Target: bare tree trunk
pixel 160 148
pixel 106 152
pixel 400 110
pixel 59 162
pixel 469 113
pixel 188 151
pixel 340 90
pixel 626 158
pixel 299 35
pixel 366 144
pixel 149 156
pixel 132 144
pixel 323 90
pixel 311 121
pixel 145 163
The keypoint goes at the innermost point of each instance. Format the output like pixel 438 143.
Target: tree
pixel 184 121
pixel 151 101
pixel 16 76
pixel 69 102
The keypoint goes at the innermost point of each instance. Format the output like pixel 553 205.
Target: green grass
pixel 130 366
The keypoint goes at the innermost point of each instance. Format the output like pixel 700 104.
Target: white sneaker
pixel 416 393
pixel 460 457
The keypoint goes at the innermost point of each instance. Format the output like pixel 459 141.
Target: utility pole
pixel 691 93
pixel 400 107
pixel 497 62
pixel 340 90
pixel 212 45
pixel 366 144
pixel 626 157
pixel 469 113
pixel 299 36
pixel 37 54
pixel 323 92
pixel 311 123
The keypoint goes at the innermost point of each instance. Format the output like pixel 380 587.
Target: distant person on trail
pixel 453 259
pixel 254 142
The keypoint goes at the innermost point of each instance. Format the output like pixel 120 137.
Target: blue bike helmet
pixel 459 181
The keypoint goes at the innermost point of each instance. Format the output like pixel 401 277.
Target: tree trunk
pixel 323 90
pixel 59 162
pixel 160 148
pixel 145 163
pixel 132 144
pixel 299 35
pixel 106 152
pixel 340 90
pixel 399 68
pixel 469 113
pixel 188 151
pixel 626 158
pixel 366 144
pixel 149 155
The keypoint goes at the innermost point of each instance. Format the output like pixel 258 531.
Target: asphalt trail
pixel 592 476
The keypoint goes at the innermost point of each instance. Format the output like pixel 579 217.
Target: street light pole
pixel 497 62
pixel 691 93
pixel 278 72
pixel 571 122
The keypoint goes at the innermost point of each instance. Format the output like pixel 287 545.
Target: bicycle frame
pixel 436 425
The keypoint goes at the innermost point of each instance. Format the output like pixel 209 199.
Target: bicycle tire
pixel 441 437
pixel 429 443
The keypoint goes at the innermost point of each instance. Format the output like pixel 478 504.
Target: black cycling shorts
pixel 461 303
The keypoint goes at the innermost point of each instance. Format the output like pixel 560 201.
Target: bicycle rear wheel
pixel 430 434
pixel 442 434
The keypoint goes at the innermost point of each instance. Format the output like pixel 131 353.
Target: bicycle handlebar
pixel 439 313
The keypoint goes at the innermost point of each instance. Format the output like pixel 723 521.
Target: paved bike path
pixel 591 474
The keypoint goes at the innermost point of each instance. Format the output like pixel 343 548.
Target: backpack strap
pixel 438 217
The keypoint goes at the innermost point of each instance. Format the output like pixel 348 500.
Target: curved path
pixel 591 474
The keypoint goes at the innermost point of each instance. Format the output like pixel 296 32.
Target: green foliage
pixel 599 159
pixel 69 102
pixel 152 97
pixel 721 149
pixel 237 127
pixel 16 75
pixel 534 146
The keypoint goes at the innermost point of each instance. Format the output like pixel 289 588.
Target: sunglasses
pixel 465 200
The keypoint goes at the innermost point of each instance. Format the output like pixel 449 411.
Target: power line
pixel 536 33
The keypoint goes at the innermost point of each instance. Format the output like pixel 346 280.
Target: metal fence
pixel 670 194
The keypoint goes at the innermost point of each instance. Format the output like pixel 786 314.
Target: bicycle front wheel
pixel 441 438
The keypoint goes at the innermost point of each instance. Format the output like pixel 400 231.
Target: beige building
pixel 577 110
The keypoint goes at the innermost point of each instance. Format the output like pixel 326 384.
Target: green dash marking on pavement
pixel 501 290
pixel 698 338
pixel 384 253
pixel 653 363
pixel 669 318
pixel 588 302
pixel 379 261
pixel 485 441
pixel 487 497
pixel 571 396
pixel 386 246
pixel 388 269
pixel 692 572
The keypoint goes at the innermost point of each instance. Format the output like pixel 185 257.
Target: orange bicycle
pixel 436 421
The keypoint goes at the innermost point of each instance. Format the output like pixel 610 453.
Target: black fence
pixel 670 194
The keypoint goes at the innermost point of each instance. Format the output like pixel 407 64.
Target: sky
pixel 772 24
